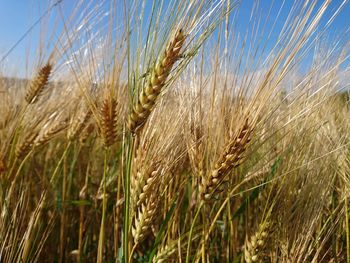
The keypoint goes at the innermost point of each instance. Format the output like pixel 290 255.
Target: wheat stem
pixel 104 210
pixel 127 198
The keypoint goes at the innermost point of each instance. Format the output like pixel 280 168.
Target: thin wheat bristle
pixel 38 84
pixel 108 114
pixel 231 158
pixel 153 88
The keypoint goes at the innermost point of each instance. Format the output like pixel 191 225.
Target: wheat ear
pixel 108 115
pixel 145 202
pixel 50 133
pixel 26 145
pixel 38 84
pixel 145 215
pixel 231 158
pixel 168 251
pixel 144 199
pixel 254 247
pixel 142 187
pixel 78 125
pixel 164 253
pixel 86 132
pixel 156 82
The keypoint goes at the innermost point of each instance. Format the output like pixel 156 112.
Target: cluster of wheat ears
pixel 168 133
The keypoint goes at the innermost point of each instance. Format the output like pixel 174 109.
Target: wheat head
pixel 108 115
pixel 230 159
pixel 38 84
pixel 153 88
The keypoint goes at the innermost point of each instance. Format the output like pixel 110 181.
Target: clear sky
pixel 16 16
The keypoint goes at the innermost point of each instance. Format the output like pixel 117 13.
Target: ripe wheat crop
pixel 178 131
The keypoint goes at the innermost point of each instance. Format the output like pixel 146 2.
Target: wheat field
pixel 179 131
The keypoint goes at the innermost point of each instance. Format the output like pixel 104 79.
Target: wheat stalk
pixel 157 80
pixel 38 84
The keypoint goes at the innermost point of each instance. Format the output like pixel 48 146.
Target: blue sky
pixel 16 16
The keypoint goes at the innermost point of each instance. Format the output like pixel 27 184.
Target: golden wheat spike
pixel 255 245
pixel 38 84
pixel 231 158
pixel 144 201
pixel 50 133
pixel 78 124
pixel 26 145
pixel 159 75
pixel 108 114
pixel 165 253
pixel 145 216
pixel 142 181
pixel 86 132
